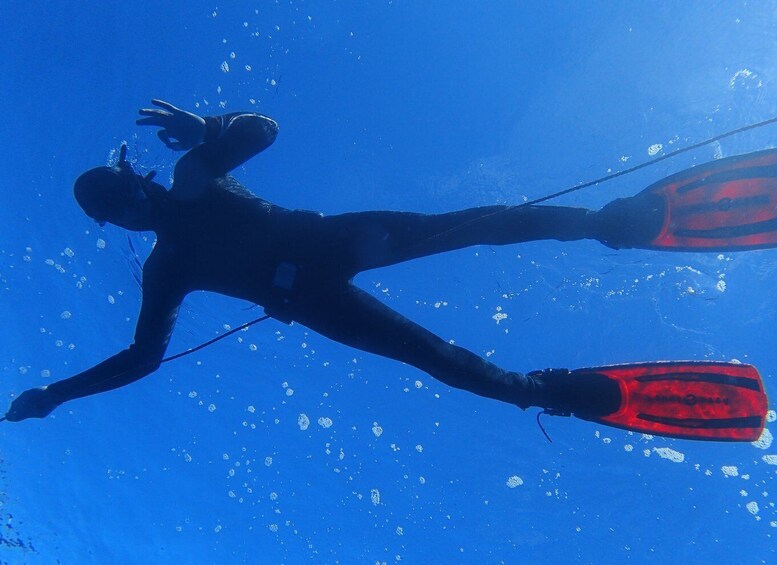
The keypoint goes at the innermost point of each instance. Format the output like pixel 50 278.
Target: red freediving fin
pixel 692 400
pixel 728 204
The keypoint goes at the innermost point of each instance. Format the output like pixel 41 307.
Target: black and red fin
pixel 693 400
pixel 727 204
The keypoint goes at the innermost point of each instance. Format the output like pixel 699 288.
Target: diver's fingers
pixel 155 112
pixel 152 121
pixel 164 135
pixel 166 105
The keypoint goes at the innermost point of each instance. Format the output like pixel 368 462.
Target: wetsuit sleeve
pixel 158 313
pixel 230 141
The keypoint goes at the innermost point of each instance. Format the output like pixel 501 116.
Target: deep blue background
pixel 403 105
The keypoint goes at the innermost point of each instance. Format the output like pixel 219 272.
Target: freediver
pixel 213 234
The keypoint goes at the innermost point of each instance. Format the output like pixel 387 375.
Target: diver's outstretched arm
pixel 123 368
pixel 158 313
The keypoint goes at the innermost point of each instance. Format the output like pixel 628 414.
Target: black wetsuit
pixel 299 265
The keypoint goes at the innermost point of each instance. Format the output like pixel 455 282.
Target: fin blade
pixel 692 400
pixel 728 204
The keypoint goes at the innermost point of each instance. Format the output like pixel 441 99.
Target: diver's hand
pixel 187 129
pixel 33 403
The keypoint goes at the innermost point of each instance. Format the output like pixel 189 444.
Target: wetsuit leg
pixel 377 239
pixel 352 317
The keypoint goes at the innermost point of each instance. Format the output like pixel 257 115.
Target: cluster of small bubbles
pixel 375 496
pixel 376 429
pixel 670 454
pixel 192 394
pixel 267 461
pixel 654 149
pixel 499 316
pixel 765 441
pixel 325 422
pixel 65 315
pixel 303 422
pixel 100 243
pixel 211 407
pixel 45 373
pixel 111 299
pixel 730 470
pixel 251 409
pixel 419 384
pixel 514 481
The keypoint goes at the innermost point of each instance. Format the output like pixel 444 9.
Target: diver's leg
pixel 351 316
pixel 377 239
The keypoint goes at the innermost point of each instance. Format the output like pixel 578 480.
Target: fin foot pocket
pixel 630 222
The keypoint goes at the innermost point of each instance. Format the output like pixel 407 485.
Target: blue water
pixel 429 107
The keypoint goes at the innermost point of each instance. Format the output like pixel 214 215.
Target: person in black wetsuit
pixel 215 235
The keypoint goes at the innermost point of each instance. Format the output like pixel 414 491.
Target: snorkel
pixel 125 170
